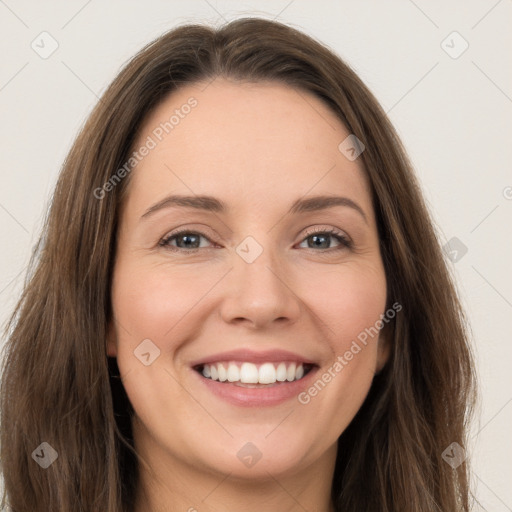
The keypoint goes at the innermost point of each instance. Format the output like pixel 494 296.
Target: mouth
pixel 247 378
pixel 253 375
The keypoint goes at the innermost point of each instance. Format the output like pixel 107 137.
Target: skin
pixel 257 147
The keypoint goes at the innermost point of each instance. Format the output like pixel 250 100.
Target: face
pixel 269 295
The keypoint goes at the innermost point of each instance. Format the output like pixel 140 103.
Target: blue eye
pixel 190 241
pixel 323 234
pixel 189 238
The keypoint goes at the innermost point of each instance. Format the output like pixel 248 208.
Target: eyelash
pixel 345 243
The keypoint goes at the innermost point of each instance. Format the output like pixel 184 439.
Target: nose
pixel 260 293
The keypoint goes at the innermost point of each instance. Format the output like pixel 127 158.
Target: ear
pixel 111 340
pixel 384 347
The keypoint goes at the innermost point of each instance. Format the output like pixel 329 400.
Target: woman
pixel 190 340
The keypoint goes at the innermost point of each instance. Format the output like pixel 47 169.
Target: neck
pixel 167 484
pixel 212 495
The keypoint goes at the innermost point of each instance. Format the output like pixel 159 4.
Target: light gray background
pixel 453 114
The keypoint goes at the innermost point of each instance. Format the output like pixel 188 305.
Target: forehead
pixel 257 143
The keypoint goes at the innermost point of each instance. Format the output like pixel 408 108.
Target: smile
pixel 248 378
pixel 253 375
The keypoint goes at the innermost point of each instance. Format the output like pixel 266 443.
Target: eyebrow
pixel 212 204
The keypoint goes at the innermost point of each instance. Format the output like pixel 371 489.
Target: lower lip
pixel 258 397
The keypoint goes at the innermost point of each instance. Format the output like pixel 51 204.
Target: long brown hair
pixel 58 385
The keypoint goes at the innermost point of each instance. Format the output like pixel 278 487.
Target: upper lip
pixel 252 356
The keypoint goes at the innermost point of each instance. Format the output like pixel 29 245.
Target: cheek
pixel 348 301
pixel 159 303
pixel 155 303
pixel 350 305
pixel 152 302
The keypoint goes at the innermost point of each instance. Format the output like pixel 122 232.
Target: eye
pixel 320 236
pixel 190 241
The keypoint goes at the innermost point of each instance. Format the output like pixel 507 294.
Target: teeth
pixel 233 373
pixel 267 374
pixel 281 372
pixel 290 373
pixel 249 373
pixel 223 374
